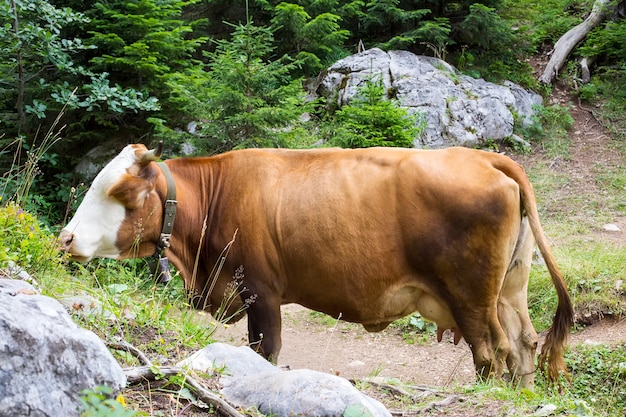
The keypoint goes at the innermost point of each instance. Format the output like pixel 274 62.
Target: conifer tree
pixel 251 100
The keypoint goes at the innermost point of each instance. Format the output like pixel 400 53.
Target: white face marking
pixel 98 218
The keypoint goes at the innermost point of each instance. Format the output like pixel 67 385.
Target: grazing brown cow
pixel 370 235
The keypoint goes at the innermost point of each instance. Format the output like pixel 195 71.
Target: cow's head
pixel 121 213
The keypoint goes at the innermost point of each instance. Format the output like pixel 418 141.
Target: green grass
pixel 147 315
pixel 594 272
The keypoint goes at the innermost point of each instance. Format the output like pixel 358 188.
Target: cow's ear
pixel 131 190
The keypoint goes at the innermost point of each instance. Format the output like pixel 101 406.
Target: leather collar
pixel 160 264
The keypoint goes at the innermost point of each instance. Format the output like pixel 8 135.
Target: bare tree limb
pixel 443 403
pixel 571 38
pixel 136 374
pixel 584 67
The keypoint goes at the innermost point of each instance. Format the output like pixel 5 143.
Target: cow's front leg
pixel 264 323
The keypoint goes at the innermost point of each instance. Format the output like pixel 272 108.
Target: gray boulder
pixel 458 109
pixel 228 360
pixel 46 360
pixel 250 381
pixel 301 392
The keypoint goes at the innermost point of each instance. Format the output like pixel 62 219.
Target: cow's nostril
pixel 66 239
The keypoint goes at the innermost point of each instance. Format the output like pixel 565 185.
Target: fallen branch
pixel 435 404
pixel 426 391
pixel 571 38
pixel 127 347
pixel 137 374
pixel 440 404
pixel 150 372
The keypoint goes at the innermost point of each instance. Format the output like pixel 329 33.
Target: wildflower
pixel 120 399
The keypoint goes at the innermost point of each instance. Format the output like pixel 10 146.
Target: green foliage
pixel 312 40
pixel 599 374
pixel 415 329
pixel 608 44
pixel 550 126
pixel 127 291
pixel 434 34
pixel 146 38
pixel 387 13
pixel 97 403
pixel 32 43
pixel 370 119
pixel 541 23
pixel 39 74
pixel 101 98
pixel 485 30
pixel 252 101
pixel 148 45
pixel 26 242
pixel 607 41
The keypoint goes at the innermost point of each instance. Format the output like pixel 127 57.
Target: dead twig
pixel 440 404
pixel 136 374
pixel 426 391
pixel 127 347
pixel 454 371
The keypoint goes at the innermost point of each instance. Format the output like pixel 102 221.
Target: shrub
pixel 373 120
pixel 26 242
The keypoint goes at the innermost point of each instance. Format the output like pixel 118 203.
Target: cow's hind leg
pixel 488 342
pixel 513 312
pixel 476 294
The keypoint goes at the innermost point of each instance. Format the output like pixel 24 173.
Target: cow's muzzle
pixel 66 242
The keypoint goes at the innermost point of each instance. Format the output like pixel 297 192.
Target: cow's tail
pixel 556 338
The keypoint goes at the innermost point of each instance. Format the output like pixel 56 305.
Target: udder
pixel 409 299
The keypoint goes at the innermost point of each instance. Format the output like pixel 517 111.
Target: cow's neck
pixel 198 190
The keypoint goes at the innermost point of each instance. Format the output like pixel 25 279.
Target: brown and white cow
pixel 370 235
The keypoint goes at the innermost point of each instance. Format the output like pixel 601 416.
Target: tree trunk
pixel 569 40
pixel 19 103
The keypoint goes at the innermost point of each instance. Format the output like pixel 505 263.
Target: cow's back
pixel 363 233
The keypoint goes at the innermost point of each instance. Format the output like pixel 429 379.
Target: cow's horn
pixel 152 154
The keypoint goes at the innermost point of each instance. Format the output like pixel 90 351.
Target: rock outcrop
pixel 458 109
